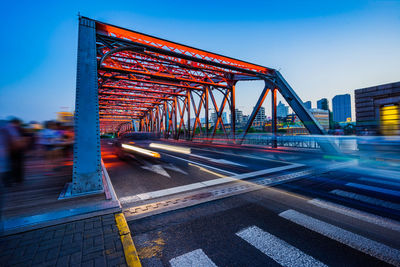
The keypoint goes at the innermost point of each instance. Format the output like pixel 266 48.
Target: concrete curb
pixel 130 252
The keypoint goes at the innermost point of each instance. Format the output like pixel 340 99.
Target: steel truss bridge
pixel 127 78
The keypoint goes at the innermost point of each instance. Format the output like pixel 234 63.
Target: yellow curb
pixel 130 252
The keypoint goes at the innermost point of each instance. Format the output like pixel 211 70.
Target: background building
pixel 260 119
pixel 282 110
pixel 341 108
pixel 245 119
pixel 214 118
pixel 238 117
pixel 323 104
pixel 322 116
pixel 377 109
pixel 308 104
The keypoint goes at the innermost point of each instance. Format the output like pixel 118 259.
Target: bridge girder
pixel 124 75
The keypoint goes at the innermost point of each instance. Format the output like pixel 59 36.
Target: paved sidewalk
pixel 89 242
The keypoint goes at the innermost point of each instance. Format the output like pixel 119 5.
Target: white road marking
pixel 156 168
pixel 169 191
pixel 277 249
pixel 199 185
pixel 266 171
pixel 207 170
pixel 187 151
pixel 224 161
pixel 358 214
pixel 266 158
pixel 172 167
pixel 375 189
pixel 195 258
pixel 245 175
pixel 203 165
pixel 366 199
pixel 380 181
pixel 128 199
pixel 358 242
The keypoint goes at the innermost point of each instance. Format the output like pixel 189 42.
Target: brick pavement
pixel 88 242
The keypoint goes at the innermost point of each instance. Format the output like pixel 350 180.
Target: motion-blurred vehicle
pixel 379 143
pixel 135 144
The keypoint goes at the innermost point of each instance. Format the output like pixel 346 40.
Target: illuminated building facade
pixel 377 110
pixel 322 116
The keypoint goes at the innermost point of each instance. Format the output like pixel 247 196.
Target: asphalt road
pixel 337 215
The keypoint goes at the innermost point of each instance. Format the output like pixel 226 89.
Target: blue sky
pixel 322 48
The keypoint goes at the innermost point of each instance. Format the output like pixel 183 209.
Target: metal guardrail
pixel 283 141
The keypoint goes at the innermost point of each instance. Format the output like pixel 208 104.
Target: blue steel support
pixel 304 115
pixel 254 113
pixel 273 121
pixel 87 176
pixel 134 125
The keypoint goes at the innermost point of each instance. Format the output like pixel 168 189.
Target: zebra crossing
pixel 277 249
pixel 358 242
pixel 286 254
pixel 366 199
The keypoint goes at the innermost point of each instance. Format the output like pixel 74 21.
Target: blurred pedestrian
pixel 48 140
pixel 16 149
pixel 4 155
pixel 68 141
pixel 4 167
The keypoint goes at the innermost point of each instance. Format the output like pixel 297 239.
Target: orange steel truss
pixel 130 81
pixel 165 86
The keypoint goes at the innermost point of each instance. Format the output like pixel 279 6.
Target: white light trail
pixel 183 150
pixel 142 151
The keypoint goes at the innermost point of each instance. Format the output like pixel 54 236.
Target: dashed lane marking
pixel 366 199
pixel 358 242
pixel 277 249
pixel 358 214
pixel 194 258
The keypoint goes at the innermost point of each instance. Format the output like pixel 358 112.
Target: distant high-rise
pixel 239 117
pixel 260 117
pixel 323 104
pixel 214 118
pixel 341 107
pixel 308 104
pixel 282 110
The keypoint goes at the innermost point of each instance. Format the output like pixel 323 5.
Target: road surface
pixel 223 207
